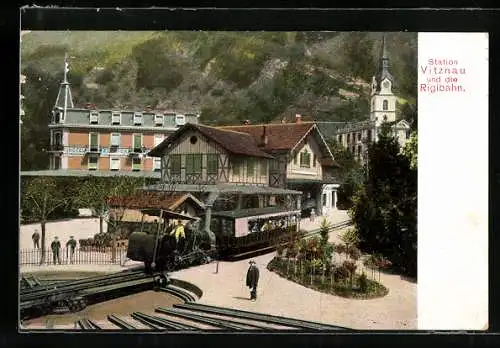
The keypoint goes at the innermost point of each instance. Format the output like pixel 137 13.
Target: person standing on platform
pixel 253 280
pixel 313 214
pixel 70 246
pixel 56 248
pixel 36 239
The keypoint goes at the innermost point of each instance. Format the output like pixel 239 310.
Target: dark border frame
pixel 463 20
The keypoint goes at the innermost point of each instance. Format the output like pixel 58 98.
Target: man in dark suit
pixel 253 280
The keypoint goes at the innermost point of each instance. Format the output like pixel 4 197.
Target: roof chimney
pixel 297 118
pixel 264 139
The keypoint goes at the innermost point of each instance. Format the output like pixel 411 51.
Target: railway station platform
pixel 224 285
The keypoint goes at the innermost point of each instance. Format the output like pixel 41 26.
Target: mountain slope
pixel 227 76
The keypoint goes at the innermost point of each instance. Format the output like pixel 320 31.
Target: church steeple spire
pixel 385 57
pixel 64 98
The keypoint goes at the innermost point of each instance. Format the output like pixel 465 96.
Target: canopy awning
pixel 167 214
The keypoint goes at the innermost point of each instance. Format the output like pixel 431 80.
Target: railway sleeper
pixel 220 323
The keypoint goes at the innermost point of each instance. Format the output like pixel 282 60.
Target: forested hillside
pixel 226 76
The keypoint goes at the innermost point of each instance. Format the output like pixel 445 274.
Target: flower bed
pixel 333 280
pixel 326 267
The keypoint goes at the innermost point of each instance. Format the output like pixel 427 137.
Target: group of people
pixel 55 246
pixel 255 226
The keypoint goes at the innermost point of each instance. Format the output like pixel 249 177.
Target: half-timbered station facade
pixel 115 140
pixel 291 156
pixel 302 160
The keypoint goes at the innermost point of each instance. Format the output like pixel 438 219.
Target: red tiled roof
pixel 280 136
pixel 150 200
pixel 235 142
pixel 328 162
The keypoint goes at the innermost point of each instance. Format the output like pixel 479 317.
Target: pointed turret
pixel 64 98
pixel 383 71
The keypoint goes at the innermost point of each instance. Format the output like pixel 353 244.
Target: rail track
pixel 72 296
pixel 186 317
pixel 332 228
pixel 191 316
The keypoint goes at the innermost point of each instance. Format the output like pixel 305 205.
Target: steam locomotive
pixel 238 233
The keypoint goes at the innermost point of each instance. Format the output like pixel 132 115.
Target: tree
pixel 410 150
pixel 385 208
pixel 323 231
pixel 93 194
pixel 41 198
pixel 350 238
pixel 352 173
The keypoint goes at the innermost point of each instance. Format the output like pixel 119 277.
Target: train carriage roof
pixel 255 212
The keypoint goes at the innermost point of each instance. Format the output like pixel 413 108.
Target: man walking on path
pixel 36 239
pixel 253 280
pixel 71 245
pixel 56 248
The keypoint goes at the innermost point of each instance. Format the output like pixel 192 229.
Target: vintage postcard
pixel 252 181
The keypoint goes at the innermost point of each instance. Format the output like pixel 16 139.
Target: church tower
pixel 64 98
pixel 383 100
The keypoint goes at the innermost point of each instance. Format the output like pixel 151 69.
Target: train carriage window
pixel 227 227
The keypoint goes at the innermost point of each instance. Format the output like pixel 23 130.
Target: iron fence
pixel 89 255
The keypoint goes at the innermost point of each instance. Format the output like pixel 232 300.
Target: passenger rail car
pixel 246 230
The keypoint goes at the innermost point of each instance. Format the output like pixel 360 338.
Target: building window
pixel 353 149
pixel 137 118
pixel 348 138
pixel 295 159
pixel 158 139
pixel 212 163
pixel 157 164
pixel 116 117
pixel 369 135
pixel 57 162
pixel 94 142
pixel 92 162
pixel 114 163
pixel 136 164
pixel 175 164
pixel 158 119
pixel 314 161
pixel 137 143
pixel 339 137
pixel 385 105
pixel 385 118
pixel 305 159
pixel 250 167
pixel 359 136
pixel 359 150
pixel 115 139
pixel 407 134
pixel 180 120
pixel 193 140
pixel 94 117
pixel 324 199
pixel 193 163
pixel 169 119
pixel 263 167
pixel 236 167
